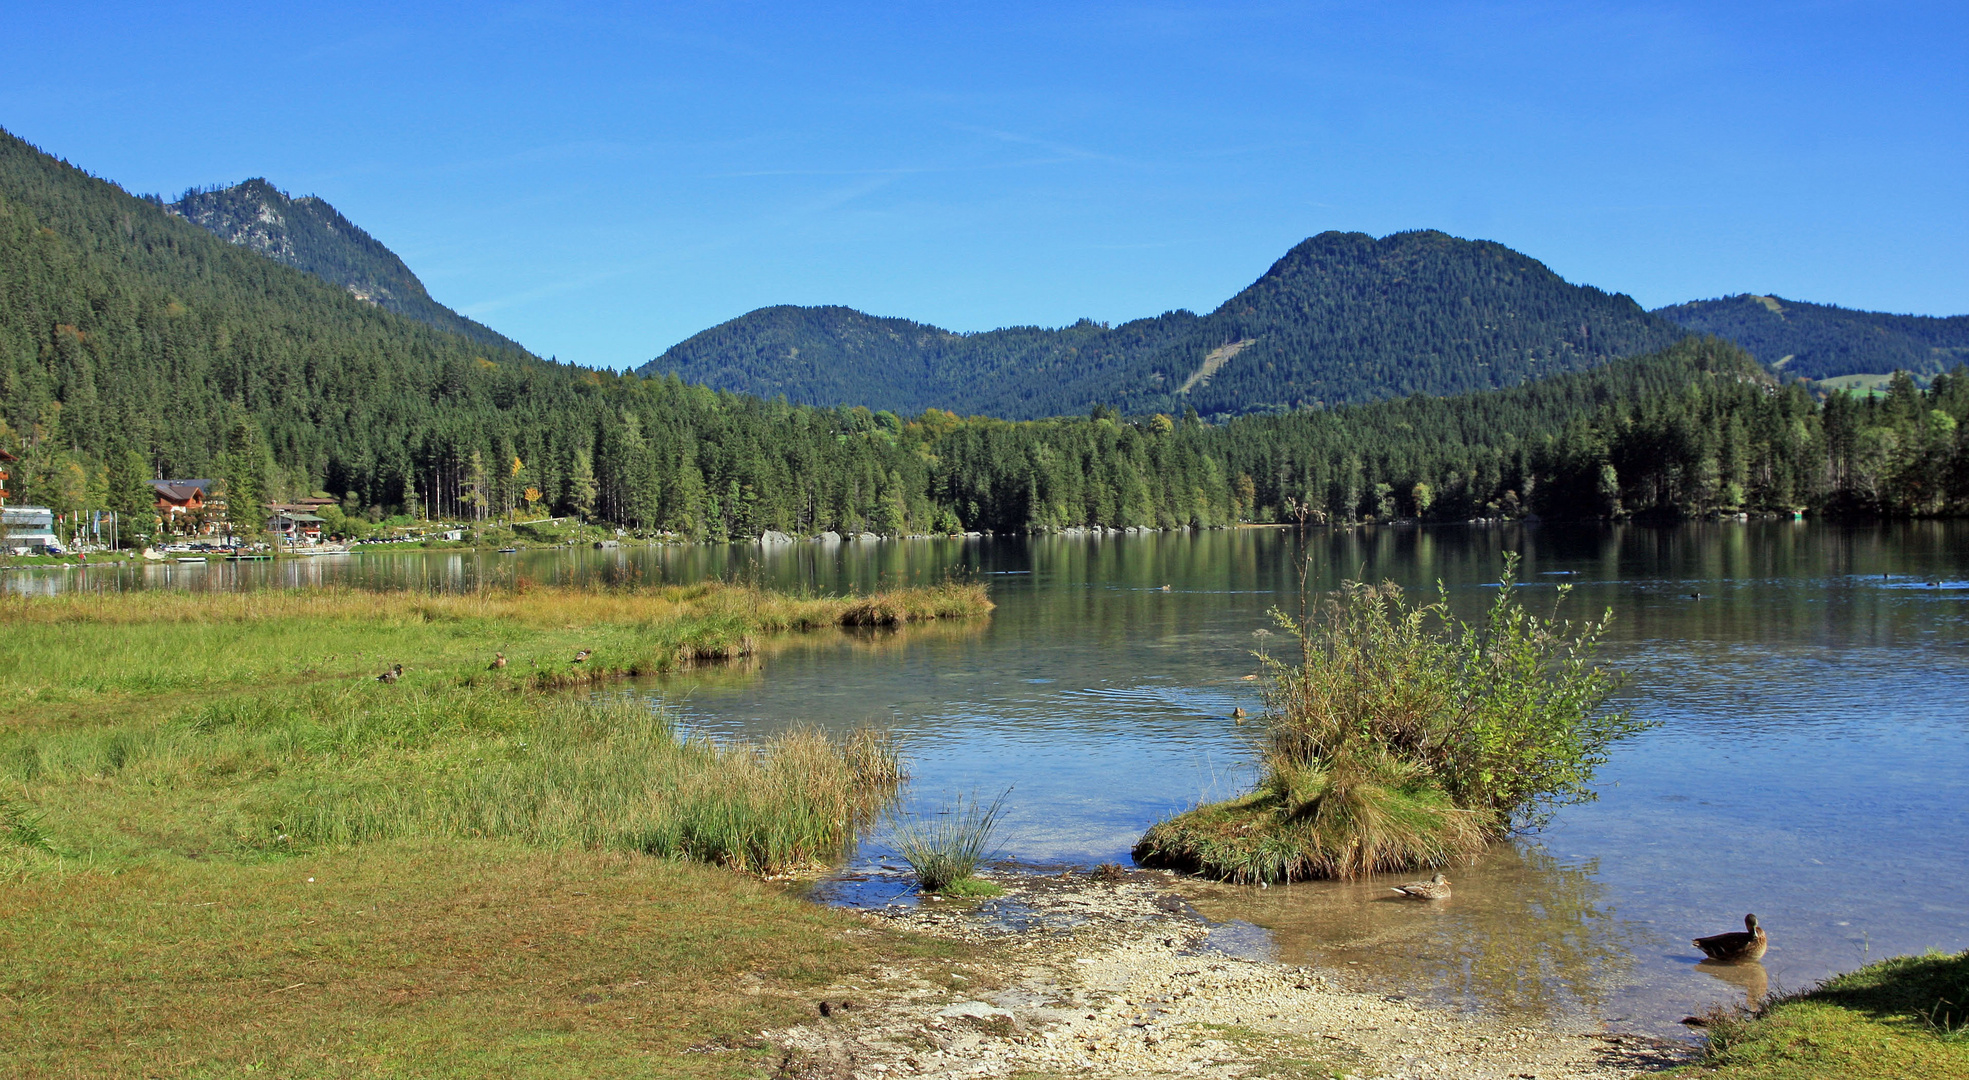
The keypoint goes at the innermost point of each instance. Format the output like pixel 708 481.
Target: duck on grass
pixel 1406 738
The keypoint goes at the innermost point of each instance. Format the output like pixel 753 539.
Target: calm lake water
pixel 1811 762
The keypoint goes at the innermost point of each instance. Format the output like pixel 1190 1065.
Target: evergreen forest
pixel 137 345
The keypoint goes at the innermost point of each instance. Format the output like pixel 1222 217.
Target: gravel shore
pixel 1089 978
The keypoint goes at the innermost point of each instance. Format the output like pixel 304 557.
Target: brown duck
pixel 498 661
pixel 1737 945
pixel 1436 888
pixel 391 675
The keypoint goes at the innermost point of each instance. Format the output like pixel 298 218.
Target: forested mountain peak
pixel 1824 341
pixel 1344 317
pixel 309 234
pixel 1341 317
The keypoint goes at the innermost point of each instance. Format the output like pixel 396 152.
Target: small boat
pixel 508 551
pixel 199 559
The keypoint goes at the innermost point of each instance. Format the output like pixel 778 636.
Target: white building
pixel 29 530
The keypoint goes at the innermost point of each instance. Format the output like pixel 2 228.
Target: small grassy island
pixel 227 846
pixel 1405 738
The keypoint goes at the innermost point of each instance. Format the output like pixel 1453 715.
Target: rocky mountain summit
pixel 309 234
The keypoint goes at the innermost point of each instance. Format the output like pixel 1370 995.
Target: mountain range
pixel 136 344
pixel 1342 317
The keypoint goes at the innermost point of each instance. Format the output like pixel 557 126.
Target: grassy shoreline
pixel 225 846
pixel 82 656
pixel 1894 1019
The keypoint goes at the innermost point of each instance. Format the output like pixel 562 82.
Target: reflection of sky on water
pixel 1086 765
pixel 1811 764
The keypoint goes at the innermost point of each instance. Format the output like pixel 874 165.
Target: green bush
pixel 1405 737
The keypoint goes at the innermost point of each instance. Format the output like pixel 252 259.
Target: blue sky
pixel 601 183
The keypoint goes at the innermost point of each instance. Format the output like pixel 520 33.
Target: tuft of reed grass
pixel 947 849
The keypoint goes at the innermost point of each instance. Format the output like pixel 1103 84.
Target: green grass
pixel 508 880
pixel 334 766
pixel 1866 385
pixel 971 888
pixel 944 850
pixel 166 644
pixel 1899 1018
pixel 416 959
pixel 1266 836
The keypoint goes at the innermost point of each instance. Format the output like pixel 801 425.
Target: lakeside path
pixel 1081 978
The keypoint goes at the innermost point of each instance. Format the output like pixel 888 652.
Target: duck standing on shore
pixel 498 661
pixel 391 675
pixel 1436 888
pixel 582 656
pixel 1737 945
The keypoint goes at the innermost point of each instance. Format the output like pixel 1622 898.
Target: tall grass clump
pixel 616 775
pixel 1406 738
pixel 945 851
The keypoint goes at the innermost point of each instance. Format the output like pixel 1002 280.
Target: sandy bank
pixel 1089 979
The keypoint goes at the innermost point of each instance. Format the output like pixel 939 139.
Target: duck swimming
pixel 1737 945
pixel 1436 888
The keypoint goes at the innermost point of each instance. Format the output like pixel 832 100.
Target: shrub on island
pixel 1407 738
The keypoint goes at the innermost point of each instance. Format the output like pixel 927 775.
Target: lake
pixel 1810 763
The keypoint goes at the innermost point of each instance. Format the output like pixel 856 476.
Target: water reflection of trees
pixel 1524 933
